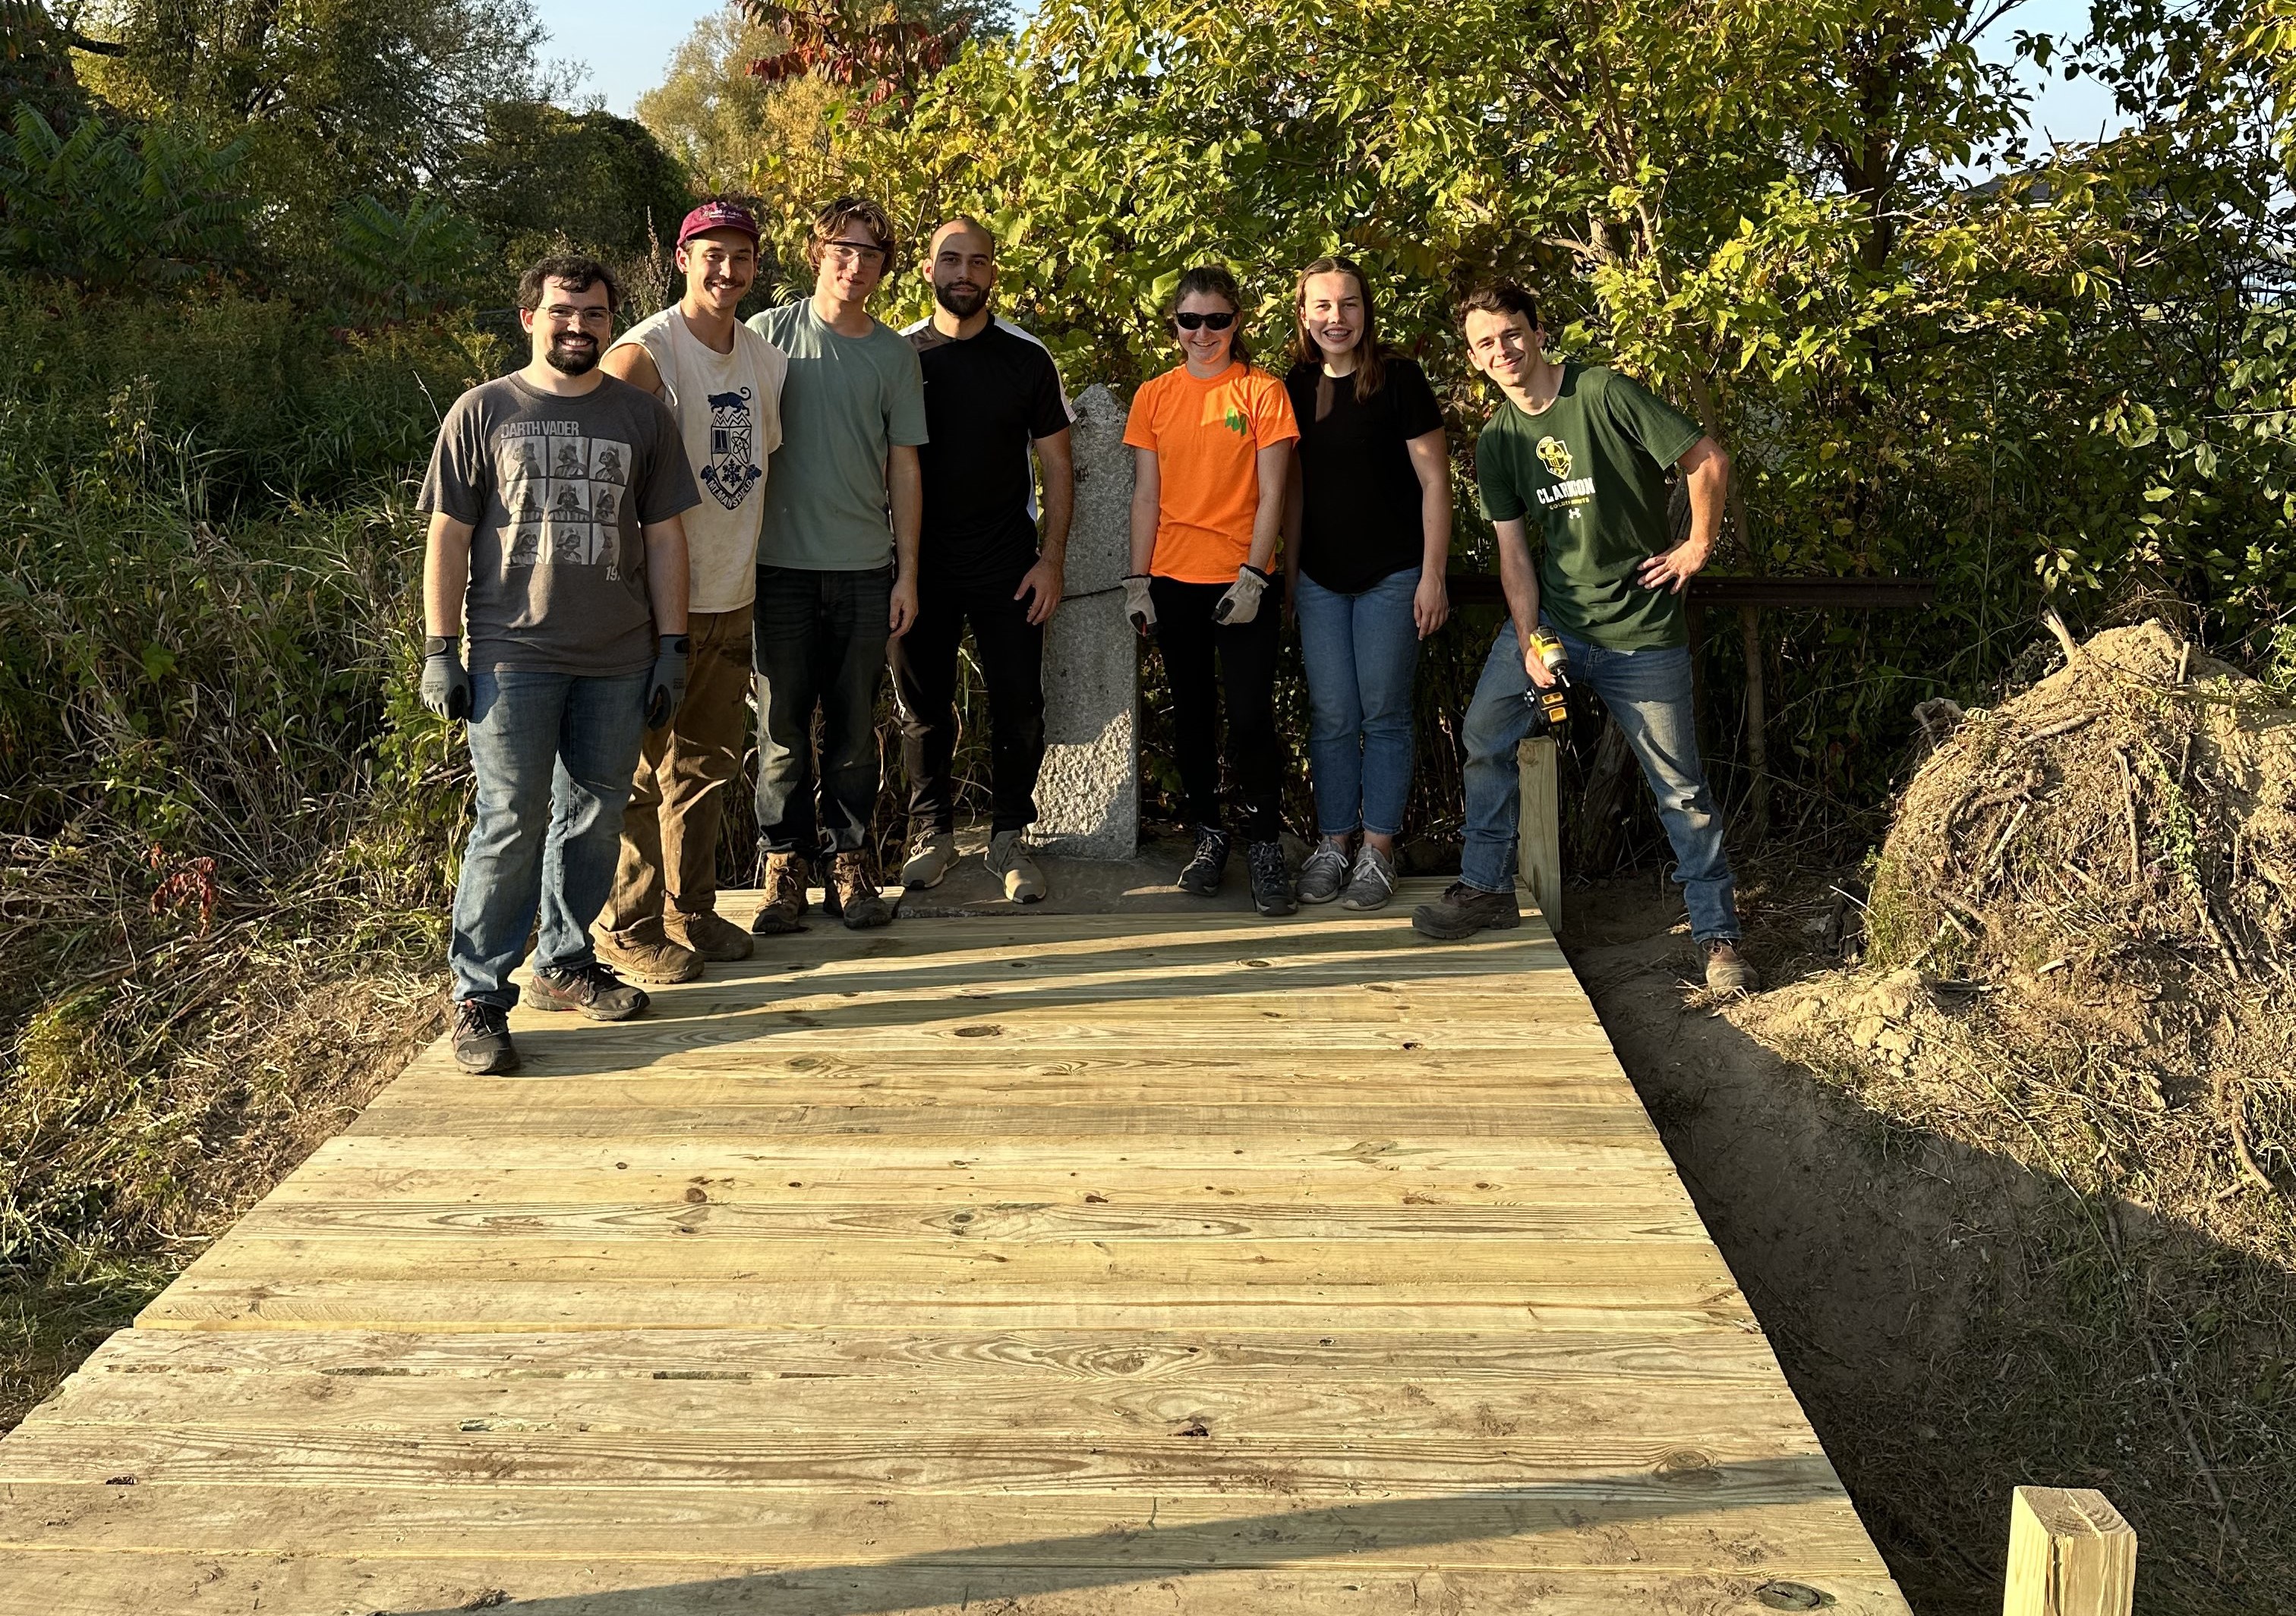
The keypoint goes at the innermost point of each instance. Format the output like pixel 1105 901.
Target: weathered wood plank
pixel 1511 1359
pixel 1090 1119
pixel 1739 1517
pixel 590 1585
pixel 257 1303
pixel 766 1409
pixel 1345 1154
pixel 527 1225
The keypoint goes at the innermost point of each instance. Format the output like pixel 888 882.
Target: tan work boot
pixel 1007 860
pixel 710 935
pixel 644 953
pixel 784 910
pixel 850 892
pixel 932 856
pixel 1726 972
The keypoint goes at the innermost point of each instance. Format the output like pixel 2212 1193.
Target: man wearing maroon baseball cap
pixel 722 382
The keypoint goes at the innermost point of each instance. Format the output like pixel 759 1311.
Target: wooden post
pixel 1538 847
pixel 2070 1554
pixel 1758 738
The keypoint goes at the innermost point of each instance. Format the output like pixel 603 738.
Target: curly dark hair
pixel 578 272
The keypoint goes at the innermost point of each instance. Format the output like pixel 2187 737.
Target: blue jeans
pixel 1648 695
pixel 1362 653
pixel 554 754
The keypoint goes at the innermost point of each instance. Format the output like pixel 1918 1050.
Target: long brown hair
pixel 1370 352
pixel 1213 280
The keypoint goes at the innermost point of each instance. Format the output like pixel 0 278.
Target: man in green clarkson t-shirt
pixel 1581 455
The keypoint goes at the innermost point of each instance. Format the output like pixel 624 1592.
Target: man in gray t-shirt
pixel 835 579
pixel 555 495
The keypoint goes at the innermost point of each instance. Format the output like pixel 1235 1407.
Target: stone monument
pixel 1088 798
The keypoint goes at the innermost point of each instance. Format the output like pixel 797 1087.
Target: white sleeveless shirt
pixel 729 408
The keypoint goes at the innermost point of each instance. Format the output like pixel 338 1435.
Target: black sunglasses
pixel 1218 323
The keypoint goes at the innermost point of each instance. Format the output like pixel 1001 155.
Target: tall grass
pixel 225 823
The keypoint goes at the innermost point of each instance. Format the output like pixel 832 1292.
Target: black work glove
pixel 1139 605
pixel 1241 604
pixel 666 690
pixel 446 682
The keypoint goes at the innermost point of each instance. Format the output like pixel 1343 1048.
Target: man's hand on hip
pixel 1672 569
pixel 1041 588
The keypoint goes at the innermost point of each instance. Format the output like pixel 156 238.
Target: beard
pixel 573 356
pixel 960 297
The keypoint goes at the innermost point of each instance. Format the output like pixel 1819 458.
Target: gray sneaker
pixel 1008 860
pixel 1370 883
pixel 931 857
pixel 1727 971
pixel 1324 874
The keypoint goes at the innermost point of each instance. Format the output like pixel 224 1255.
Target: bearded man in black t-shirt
pixel 991 393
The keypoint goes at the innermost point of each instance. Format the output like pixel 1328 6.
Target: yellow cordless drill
pixel 1550 708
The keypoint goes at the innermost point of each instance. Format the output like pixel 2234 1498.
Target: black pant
pixel 1246 656
pixel 820 647
pixel 1011 653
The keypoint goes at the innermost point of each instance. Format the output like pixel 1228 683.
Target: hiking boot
pixel 1726 972
pixel 1024 882
pixel 644 953
pixel 710 935
pixel 482 1039
pixel 851 894
pixel 1200 874
pixel 1324 874
pixel 1370 883
pixel 784 910
pixel 1463 910
pixel 931 858
pixel 592 989
pixel 1271 878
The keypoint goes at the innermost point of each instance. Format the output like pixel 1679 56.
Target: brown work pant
pixel 669 830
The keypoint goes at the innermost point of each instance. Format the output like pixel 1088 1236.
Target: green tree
pixel 543 177
pixel 336 98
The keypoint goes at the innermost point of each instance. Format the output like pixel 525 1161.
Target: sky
pixel 625 49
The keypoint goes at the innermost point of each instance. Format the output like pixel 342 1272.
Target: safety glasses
pixel 1212 322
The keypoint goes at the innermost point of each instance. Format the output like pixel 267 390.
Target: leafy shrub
pixel 108 205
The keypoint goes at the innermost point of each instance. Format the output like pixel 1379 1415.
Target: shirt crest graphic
pixel 1554 454
pixel 732 470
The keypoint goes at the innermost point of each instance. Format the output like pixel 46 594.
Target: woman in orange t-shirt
pixel 1212 442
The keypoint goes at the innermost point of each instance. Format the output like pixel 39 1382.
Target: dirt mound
pixel 2108 860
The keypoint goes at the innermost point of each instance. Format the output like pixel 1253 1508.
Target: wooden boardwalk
pixel 1033 1266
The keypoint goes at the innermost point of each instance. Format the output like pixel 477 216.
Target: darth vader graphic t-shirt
pixel 558 492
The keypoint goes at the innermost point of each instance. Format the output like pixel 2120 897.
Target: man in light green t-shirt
pixel 1581 455
pixel 836 581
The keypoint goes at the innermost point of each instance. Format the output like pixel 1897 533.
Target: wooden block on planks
pixel 2070 1554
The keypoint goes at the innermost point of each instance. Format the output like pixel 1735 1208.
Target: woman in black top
pixel 1368 529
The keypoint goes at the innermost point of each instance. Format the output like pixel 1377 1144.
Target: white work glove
pixel 1138 604
pixel 1241 604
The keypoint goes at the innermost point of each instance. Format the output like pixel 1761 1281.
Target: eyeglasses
pixel 854 252
pixel 1210 323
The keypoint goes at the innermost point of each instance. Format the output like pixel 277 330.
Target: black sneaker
pixel 482 1039
pixel 1463 910
pixel 592 989
pixel 1200 874
pixel 1271 878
